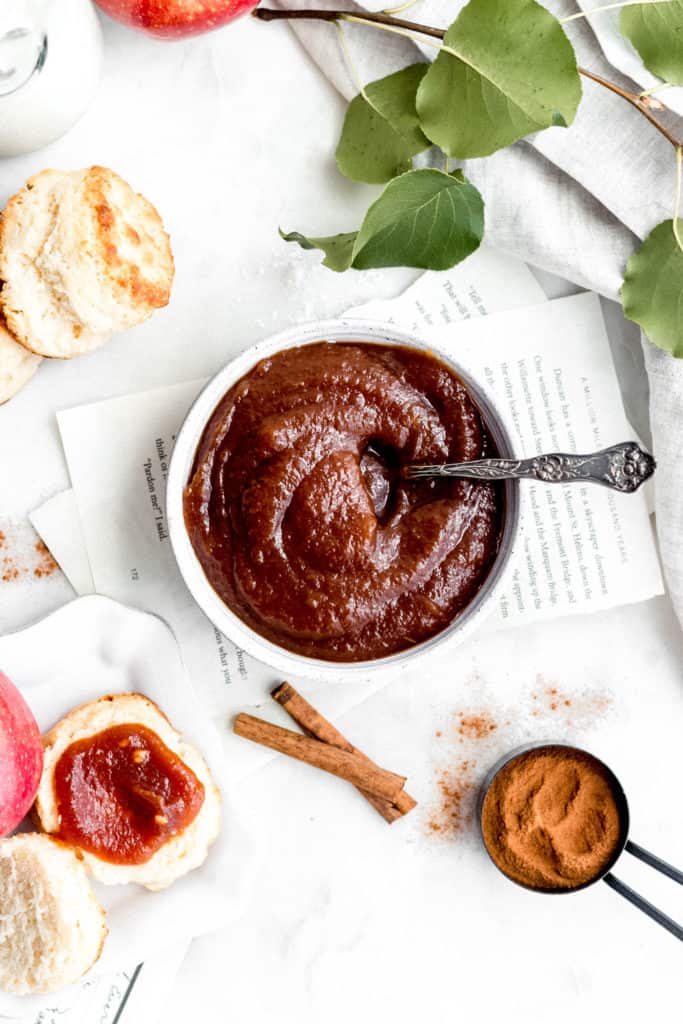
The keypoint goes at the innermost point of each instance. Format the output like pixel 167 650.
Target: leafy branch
pixel 504 69
pixel 380 19
pixel 640 101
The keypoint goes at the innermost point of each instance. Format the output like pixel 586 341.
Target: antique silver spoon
pixel 624 467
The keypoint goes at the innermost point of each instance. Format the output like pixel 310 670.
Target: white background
pixel 231 135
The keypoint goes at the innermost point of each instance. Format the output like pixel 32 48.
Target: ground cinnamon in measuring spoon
pixel 551 818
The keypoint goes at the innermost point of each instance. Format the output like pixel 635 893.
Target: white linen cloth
pixel 572 201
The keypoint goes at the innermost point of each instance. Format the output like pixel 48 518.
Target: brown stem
pixel 268 14
pixel 635 101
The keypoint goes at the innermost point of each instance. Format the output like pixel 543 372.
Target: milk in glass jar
pixel 50 58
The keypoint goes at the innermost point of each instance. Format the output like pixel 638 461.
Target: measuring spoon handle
pixel 639 901
pixel 642 904
pixel 655 862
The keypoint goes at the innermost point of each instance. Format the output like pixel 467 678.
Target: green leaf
pixel 510 71
pixel 425 218
pixel 338 249
pixel 381 132
pixel 656 31
pixel 652 292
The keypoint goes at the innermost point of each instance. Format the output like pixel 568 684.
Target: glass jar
pixel 50 61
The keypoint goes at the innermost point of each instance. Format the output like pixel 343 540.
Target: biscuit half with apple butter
pixel 124 789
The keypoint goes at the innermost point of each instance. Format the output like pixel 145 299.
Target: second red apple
pixel 21 756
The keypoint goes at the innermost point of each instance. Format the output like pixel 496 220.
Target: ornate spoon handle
pixel 623 466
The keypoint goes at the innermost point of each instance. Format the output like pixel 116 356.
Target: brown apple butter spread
pixel 121 794
pixel 300 518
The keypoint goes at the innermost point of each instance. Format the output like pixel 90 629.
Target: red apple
pixel 175 19
pixel 21 756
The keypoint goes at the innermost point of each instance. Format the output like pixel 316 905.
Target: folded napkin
pixel 574 202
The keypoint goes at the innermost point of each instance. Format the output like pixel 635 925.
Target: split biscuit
pixel 17 365
pixel 81 256
pixel 52 928
pixel 182 852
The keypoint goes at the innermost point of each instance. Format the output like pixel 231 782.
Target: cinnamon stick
pixel 315 724
pixel 321 755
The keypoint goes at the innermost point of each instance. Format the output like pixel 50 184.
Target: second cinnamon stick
pixel 345 765
pixel 315 724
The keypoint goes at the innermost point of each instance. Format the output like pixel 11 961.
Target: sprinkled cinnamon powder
pixel 477 726
pixel 47 565
pixel 455 809
pixel 578 711
pixel 480 737
pixel 452 812
pixel 10 570
pixel 12 564
pixel 22 556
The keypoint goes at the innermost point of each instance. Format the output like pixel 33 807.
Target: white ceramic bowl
pixel 286 662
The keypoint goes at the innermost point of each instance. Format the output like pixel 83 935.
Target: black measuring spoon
pixel 624 845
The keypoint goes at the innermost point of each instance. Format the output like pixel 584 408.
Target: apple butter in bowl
pixel 297 512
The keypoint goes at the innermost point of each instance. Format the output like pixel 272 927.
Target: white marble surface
pixel 358 921
pixel 232 135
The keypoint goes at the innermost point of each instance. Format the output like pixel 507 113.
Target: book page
pixel 58 523
pixel 126 997
pixel 487 282
pixel 584 547
pixel 549 369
